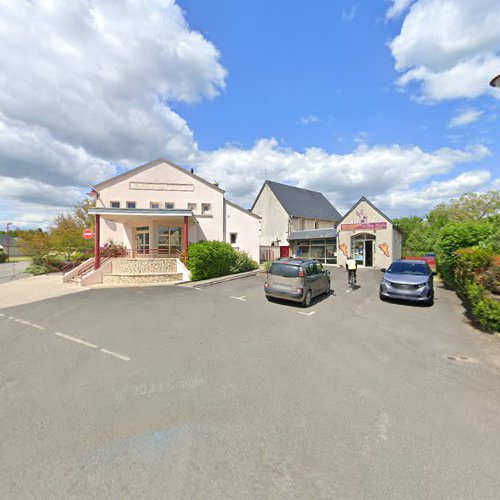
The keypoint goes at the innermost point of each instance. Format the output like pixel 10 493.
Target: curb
pixel 215 281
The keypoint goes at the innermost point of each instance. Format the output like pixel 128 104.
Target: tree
pixel 35 244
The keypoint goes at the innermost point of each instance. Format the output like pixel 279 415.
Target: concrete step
pixel 143 278
pixel 144 266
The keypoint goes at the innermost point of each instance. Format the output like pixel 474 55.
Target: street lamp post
pixel 8 241
pixel 495 82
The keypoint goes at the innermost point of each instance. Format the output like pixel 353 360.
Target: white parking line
pixel 308 314
pixel 74 339
pixel 242 298
pixel 39 327
pixel 196 288
pixel 2 314
pixel 347 291
pixel 119 356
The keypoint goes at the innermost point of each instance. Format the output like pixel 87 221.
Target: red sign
pixel 88 234
pixel 364 225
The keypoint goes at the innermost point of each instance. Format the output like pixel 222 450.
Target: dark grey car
pixel 408 280
pixel 297 279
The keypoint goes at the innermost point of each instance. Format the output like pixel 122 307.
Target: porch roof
pixel 126 214
pixel 312 234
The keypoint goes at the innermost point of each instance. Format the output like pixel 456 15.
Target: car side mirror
pixel 327 272
pixel 434 273
pixel 384 270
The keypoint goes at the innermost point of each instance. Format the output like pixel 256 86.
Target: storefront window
pixel 323 250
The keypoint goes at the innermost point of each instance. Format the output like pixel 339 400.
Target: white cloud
pixel 86 85
pixel 349 14
pixel 307 120
pixel 398 7
pixel 375 171
pixel 450 47
pixel 465 117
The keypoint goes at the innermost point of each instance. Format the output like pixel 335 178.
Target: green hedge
pixel 3 257
pixel 211 259
pixel 475 275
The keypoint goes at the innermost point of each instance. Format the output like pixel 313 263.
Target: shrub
pixel 3 257
pixel 112 249
pixel 243 263
pixel 486 310
pixel 267 265
pixel 37 269
pixel 210 259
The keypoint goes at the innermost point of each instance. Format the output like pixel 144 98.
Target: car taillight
pixel 299 290
pixel 301 273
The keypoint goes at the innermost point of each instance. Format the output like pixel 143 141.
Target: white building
pixel 295 219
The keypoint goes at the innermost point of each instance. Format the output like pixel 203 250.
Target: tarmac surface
pixel 215 393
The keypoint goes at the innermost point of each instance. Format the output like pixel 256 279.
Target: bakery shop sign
pixel 363 225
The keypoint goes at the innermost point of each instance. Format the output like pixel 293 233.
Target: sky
pixel 384 99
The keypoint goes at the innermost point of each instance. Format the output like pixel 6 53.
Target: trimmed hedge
pixel 211 259
pixel 476 277
pixel 3 257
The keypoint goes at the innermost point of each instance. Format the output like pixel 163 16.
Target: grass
pixel 22 258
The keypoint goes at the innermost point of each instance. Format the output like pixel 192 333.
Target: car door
pixel 322 278
pixel 311 277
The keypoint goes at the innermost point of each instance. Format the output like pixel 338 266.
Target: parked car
pixel 298 280
pixel 408 280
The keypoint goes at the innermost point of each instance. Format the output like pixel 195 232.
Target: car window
pixel 413 268
pixel 318 268
pixel 310 271
pixel 284 270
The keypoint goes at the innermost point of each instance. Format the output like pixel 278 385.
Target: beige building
pixel 369 236
pixel 295 219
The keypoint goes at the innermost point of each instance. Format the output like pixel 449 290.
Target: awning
pixel 128 215
pixel 313 234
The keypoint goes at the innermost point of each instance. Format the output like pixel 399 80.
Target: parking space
pixel 145 389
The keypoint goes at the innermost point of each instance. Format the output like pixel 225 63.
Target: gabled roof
pixel 146 166
pixel 234 205
pixel 10 241
pixel 371 205
pixel 299 202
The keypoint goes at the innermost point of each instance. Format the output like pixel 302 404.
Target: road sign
pixel 88 234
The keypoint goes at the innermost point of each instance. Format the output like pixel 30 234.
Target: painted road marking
pixel 74 339
pixel 10 317
pixel 196 288
pixel 347 291
pixel 308 314
pixel 39 327
pixel 242 298
pixel 2 314
pixel 119 356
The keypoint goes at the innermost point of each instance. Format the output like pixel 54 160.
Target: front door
pixel 284 251
pixel 142 240
pixel 368 253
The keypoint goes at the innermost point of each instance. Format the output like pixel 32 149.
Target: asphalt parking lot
pixel 213 392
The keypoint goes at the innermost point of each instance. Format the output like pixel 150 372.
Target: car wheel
pixel 270 299
pixel 307 299
pixel 430 302
pixel 381 297
pixel 327 289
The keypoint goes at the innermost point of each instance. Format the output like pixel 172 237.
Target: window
pixel 284 270
pixel 154 204
pixel 169 205
pixel 192 207
pixel 233 237
pixel 310 269
pixel 131 204
pixel 206 208
pixel 115 204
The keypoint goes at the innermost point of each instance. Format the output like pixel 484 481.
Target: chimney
pixel 192 170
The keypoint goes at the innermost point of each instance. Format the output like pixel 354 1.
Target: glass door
pixel 169 240
pixel 142 240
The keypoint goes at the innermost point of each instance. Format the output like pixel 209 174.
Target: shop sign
pixel 363 225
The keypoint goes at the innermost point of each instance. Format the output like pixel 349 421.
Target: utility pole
pixel 8 241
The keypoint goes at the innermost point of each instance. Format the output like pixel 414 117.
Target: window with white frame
pixel 233 237
pixel 169 205
pixel 192 207
pixel 206 209
pixel 115 204
pixel 154 204
pixel 131 204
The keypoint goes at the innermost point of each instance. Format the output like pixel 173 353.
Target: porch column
pixel 97 242
pixel 186 235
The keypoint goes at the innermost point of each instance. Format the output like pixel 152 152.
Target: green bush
pixel 37 269
pixel 210 259
pixel 3 257
pixel 486 310
pixel 243 263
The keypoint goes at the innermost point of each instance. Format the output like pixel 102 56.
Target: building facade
pixel 159 208
pixel 295 220
pixel 369 236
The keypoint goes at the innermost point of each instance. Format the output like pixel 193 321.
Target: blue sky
pixel 387 99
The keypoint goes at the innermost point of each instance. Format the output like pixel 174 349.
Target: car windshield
pixel 285 270
pixel 414 268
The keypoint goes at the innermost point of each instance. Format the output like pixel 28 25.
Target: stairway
pixel 142 271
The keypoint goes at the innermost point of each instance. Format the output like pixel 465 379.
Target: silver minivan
pixel 297 279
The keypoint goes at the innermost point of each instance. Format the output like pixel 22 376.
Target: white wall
pixel 302 224
pixel 382 236
pixel 274 219
pixel 247 228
